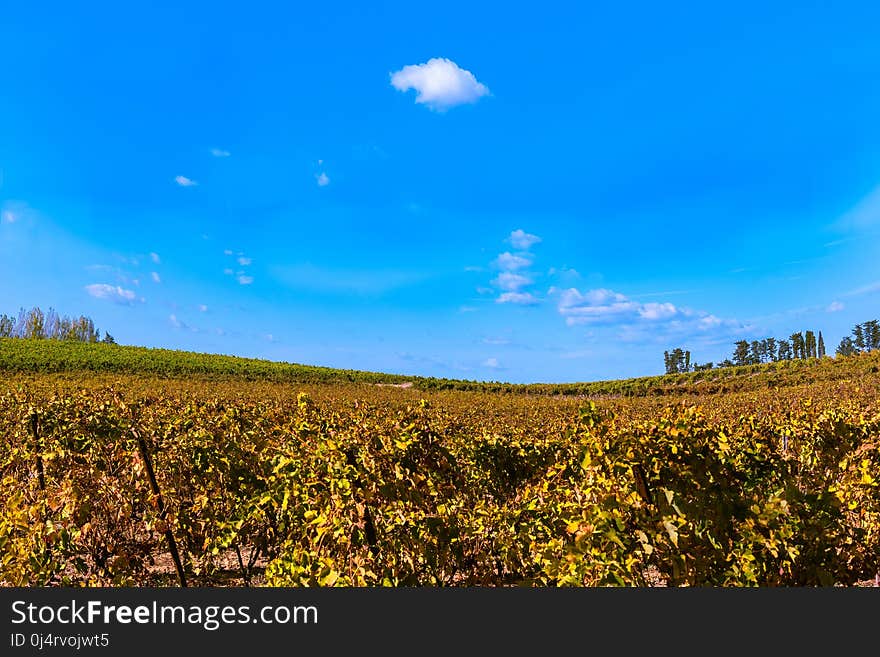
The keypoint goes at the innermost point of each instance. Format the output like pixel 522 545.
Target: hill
pixel 55 356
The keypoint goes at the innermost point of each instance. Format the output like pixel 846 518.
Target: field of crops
pixel 269 481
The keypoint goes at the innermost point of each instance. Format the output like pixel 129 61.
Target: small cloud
pixel 183 181
pixel 519 298
pixel 176 323
pixel 467 309
pixel 228 271
pixel 269 337
pixel 323 179
pixel 244 262
pixel 219 152
pixel 155 277
pixel 835 307
pixel 227 252
pixel 245 280
pixel 439 83
pixel 112 293
pixel 492 363
pixel 522 240
pixel 495 341
pixel 203 308
pixel 15 211
pixel 511 262
pixel 155 258
pixel 219 331
pixel 511 282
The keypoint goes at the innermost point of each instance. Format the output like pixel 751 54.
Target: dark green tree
pixel 741 352
pixel 847 347
pixel 770 349
pixel 784 350
pixel 859 338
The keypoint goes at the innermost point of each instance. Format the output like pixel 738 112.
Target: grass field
pixel 283 474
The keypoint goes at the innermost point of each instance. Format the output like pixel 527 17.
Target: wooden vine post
pixel 154 487
pixel 38 447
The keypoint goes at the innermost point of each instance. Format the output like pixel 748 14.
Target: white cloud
pixel 323 179
pixel 203 308
pixel 495 341
pixel 522 240
pixel 227 252
pixel 640 321
pixel 183 181
pixel 511 282
pixel 834 307
pixel 219 152
pixel 657 311
pixel 492 363
pixel 177 323
pixel 155 258
pixel 245 280
pixel 8 217
pixel 155 277
pixel 112 293
pixel 511 262
pixel 244 262
pixel 440 84
pixel 228 271
pixel 519 298
pixel 603 305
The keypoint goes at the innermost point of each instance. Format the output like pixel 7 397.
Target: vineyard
pixel 126 475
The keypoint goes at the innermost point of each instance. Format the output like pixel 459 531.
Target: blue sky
pixel 464 190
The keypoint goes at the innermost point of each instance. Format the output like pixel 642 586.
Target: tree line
pixel 865 337
pixel 35 324
pixel 803 345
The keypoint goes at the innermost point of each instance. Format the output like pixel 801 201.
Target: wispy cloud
pixel 523 241
pixel 155 258
pixel 219 152
pixel 244 262
pixel 492 363
pixel 865 214
pixel 835 307
pixel 155 276
pixel 245 280
pixel 112 293
pixel 183 181
pixel 203 308
pixel 176 323
pixel 323 179
pixel 440 84
pixel 227 252
pixel 865 289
